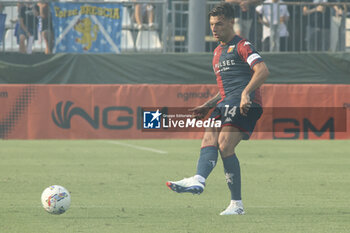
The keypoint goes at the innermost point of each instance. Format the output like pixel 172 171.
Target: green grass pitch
pixel 119 186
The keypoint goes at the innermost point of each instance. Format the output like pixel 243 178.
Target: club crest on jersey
pixel 231 48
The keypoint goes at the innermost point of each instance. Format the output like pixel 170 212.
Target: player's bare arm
pixel 201 111
pixel 261 73
pixel 307 11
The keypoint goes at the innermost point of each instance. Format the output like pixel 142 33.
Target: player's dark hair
pixel 223 8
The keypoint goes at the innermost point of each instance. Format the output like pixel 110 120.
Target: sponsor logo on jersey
pixel 223 65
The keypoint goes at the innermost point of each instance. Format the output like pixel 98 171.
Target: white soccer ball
pixel 55 199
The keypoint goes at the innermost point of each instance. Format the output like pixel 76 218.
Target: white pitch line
pixel 138 147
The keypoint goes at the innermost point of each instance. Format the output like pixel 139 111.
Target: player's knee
pixel 22 38
pixel 226 148
pixel 227 152
pixel 209 139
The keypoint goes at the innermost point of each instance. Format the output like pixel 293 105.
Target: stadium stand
pixel 171 31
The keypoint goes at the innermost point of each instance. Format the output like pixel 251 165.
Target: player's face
pixel 222 28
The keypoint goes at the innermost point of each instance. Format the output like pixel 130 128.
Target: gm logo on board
pixel 151 119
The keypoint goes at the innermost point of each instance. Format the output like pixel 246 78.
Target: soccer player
pixel 240 71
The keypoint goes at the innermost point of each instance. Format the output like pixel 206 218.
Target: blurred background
pixel 170 26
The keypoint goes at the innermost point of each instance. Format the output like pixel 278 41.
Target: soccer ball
pixel 55 199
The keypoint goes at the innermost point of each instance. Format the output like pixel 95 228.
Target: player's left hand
pixel 245 104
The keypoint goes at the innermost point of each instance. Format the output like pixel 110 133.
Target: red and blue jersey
pixel 233 66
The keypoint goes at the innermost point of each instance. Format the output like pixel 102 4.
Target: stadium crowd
pixel 274 25
pixel 311 25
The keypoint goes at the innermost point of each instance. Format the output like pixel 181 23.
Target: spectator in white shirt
pixel 273 16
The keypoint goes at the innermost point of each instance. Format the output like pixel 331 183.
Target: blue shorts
pixel 228 112
pixel 22 32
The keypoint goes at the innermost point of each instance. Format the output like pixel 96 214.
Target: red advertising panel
pixel 115 111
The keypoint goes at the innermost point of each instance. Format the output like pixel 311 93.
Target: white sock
pixel 200 178
pixel 236 202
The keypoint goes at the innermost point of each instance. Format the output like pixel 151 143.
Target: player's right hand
pixel 245 104
pixel 199 112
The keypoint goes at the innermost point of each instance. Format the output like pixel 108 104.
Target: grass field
pixel 119 186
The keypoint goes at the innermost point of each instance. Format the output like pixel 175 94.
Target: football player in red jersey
pixel 240 71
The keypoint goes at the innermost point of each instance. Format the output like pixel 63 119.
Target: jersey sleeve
pixel 248 53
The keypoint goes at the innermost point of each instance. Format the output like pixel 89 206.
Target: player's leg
pixel 228 140
pixel 208 154
pixel 206 163
pixel 150 15
pixel 138 15
pixel 45 35
pixel 236 127
pixel 22 43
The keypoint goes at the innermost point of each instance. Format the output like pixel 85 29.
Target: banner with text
pixel 87 27
pixel 307 111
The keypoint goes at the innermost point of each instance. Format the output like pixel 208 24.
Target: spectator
pixel 275 33
pixel 2 23
pixel 244 15
pixel 46 26
pixel 16 21
pixel 337 31
pixel 28 21
pixel 144 14
pixel 2 7
pixel 318 26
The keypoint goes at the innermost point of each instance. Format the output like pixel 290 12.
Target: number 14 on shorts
pixel 228 111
